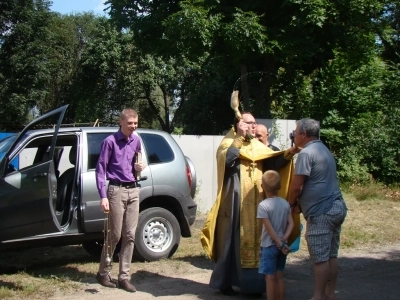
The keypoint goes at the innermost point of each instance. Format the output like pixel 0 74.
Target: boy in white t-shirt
pixel 276 216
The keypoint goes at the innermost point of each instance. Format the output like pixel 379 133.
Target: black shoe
pixel 105 280
pixel 229 291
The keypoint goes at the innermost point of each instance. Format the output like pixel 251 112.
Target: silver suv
pixel 48 193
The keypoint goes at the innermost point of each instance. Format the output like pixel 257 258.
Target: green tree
pixel 388 30
pixel 104 81
pixel 266 37
pixel 23 74
pixel 358 110
pixel 66 39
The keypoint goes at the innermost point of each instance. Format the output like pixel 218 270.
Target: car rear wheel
pixel 157 235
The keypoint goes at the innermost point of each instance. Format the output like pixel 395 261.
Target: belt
pixel 128 185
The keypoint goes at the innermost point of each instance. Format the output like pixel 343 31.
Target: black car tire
pixel 157 235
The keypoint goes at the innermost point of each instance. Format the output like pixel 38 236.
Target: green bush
pixel 375 145
pixel 350 168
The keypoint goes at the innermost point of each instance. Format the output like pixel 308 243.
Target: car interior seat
pixel 65 184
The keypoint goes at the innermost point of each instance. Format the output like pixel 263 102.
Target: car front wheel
pixel 157 234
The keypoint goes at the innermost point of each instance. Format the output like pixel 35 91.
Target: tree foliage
pixel 294 36
pixel 177 63
pixel 23 57
pixel 387 31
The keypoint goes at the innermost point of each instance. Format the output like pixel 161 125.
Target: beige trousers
pixel 123 219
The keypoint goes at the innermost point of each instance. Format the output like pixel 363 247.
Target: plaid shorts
pixel 323 232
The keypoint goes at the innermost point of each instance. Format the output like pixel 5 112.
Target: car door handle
pixel 37 175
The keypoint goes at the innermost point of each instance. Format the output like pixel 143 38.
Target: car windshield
pixel 5 144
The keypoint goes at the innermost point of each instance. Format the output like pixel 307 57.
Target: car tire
pixel 157 235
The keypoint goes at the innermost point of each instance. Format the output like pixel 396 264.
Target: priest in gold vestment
pixel 231 235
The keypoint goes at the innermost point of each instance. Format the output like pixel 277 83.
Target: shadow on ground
pixel 158 286
pixel 363 274
pixel 367 277
pixel 41 258
pixel 200 262
pixel 46 262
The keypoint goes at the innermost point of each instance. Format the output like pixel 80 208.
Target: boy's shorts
pixel 272 259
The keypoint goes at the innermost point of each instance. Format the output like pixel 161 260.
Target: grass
pixel 374 191
pixel 45 272
pixel 370 220
pixel 22 285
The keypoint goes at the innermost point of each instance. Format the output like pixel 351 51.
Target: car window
pixel 25 158
pixel 94 147
pixel 157 148
pixel 35 152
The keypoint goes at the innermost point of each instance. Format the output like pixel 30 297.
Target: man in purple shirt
pixel 117 163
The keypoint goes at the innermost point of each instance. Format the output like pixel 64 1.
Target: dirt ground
pixel 364 274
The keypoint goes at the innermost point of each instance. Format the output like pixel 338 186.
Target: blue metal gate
pixel 15 160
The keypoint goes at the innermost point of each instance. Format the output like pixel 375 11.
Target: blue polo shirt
pixel 321 186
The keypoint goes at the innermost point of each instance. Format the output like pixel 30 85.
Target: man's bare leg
pixel 321 275
pixel 331 284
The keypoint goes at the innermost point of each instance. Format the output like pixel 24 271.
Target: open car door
pixel 28 193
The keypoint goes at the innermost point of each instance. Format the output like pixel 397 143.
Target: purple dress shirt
pixel 115 161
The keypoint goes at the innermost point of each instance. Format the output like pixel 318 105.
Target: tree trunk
pixel 166 110
pixel 263 103
pixel 154 109
pixel 245 88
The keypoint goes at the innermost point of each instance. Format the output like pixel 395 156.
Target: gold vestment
pixel 251 155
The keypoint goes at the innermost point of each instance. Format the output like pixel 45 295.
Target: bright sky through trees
pixel 78 6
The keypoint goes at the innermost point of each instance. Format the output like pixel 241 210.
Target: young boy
pixel 278 223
